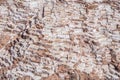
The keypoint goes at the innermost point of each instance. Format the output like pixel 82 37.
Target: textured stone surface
pixel 59 39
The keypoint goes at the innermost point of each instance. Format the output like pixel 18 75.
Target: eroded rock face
pixel 65 73
pixel 59 39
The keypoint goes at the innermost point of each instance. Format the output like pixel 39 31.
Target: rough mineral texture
pixel 59 39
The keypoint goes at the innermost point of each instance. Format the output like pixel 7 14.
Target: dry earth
pixel 59 39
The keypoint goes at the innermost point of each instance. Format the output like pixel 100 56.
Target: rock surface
pixel 59 40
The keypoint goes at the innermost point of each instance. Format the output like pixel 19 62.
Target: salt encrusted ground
pixel 59 39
